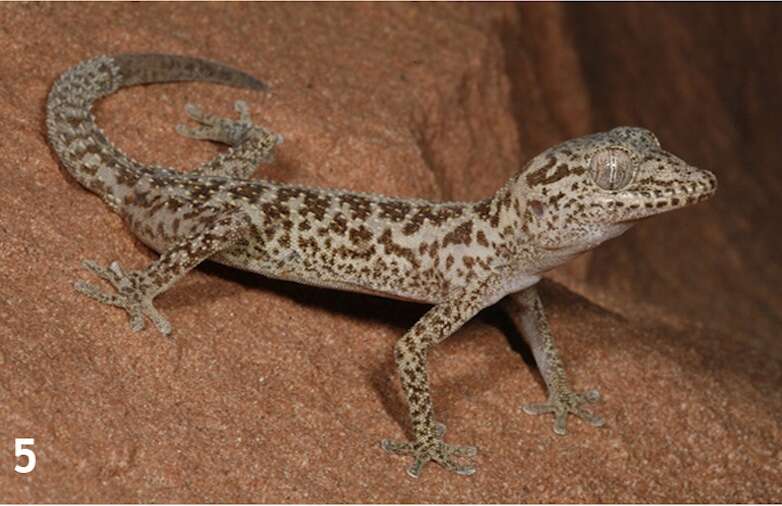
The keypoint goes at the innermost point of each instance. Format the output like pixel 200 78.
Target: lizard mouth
pixel 634 204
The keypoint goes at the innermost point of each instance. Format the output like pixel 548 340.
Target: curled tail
pixel 81 145
pixel 164 68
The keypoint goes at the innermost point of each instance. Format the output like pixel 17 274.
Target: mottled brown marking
pixel 315 204
pixel 200 192
pixel 248 191
pixel 360 235
pixel 539 177
pixel 338 225
pixel 284 194
pixel 536 207
pixel 461 235
pixel 360 207
pixel 308 243
pixel 275 210
pixel 394 210
pixel 411 227
pixel 174 204
pixel 392 248
pixel 505 200
pixel 480 238
pixel 483 209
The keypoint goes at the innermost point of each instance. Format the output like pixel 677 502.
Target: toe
pixel 158 319
pixel 591 395
pixel 185 131
pixel 450 465
pixel 195 113
pixel 95 293
pixel 101 272
pixel 415 469
pixel 244 111
pixel 398 448
pixel 465 470
pixel 560 424
pixel 136 319
pixel 463 451
pixel 590 418
pixel 199 133
pixel 537 409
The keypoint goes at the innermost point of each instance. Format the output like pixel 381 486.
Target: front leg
pixel 411 357
pixel 136 289
pixel 526 311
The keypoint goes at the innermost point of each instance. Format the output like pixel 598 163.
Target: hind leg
pixel 250 144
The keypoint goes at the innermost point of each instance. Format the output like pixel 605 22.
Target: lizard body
pixel 458 256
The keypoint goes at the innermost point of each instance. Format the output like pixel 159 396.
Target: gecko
pixel 458 257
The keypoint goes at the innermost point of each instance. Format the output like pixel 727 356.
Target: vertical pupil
pixel 612 166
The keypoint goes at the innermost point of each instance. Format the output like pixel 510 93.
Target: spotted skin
pixel 458 256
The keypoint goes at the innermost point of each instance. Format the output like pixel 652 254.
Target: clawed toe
pixel 591 418
pixel 398 448
pixel 198 115
pixel 592 395
pixel 215 128
pixel 243 109
pixel 463 470
pixel 567 403
pixel 94 292
pixel 130 295
pixel 538 409
pixel 113 274
pixel 463 451
pixel 439 451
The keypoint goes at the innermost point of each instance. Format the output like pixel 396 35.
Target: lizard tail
pixel 81 145
pixel 164 68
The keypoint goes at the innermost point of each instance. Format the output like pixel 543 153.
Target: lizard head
pixel 590 189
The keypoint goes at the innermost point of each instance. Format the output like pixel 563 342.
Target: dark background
pixel 706 79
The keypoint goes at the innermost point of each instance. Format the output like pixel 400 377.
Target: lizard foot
pixel 564 404
pixel 218 129
pixel 433 449
pixel 131 295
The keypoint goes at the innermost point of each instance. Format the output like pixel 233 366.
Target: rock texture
pixel 272 392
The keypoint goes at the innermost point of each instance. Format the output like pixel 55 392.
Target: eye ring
pixel 612 168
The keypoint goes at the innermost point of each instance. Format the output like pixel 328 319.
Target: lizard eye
pixel 612 169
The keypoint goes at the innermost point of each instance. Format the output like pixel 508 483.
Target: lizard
pixel 458 257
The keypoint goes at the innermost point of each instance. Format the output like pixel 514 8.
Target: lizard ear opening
pixel 612 169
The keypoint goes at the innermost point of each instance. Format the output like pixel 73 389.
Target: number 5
pixel 27 452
